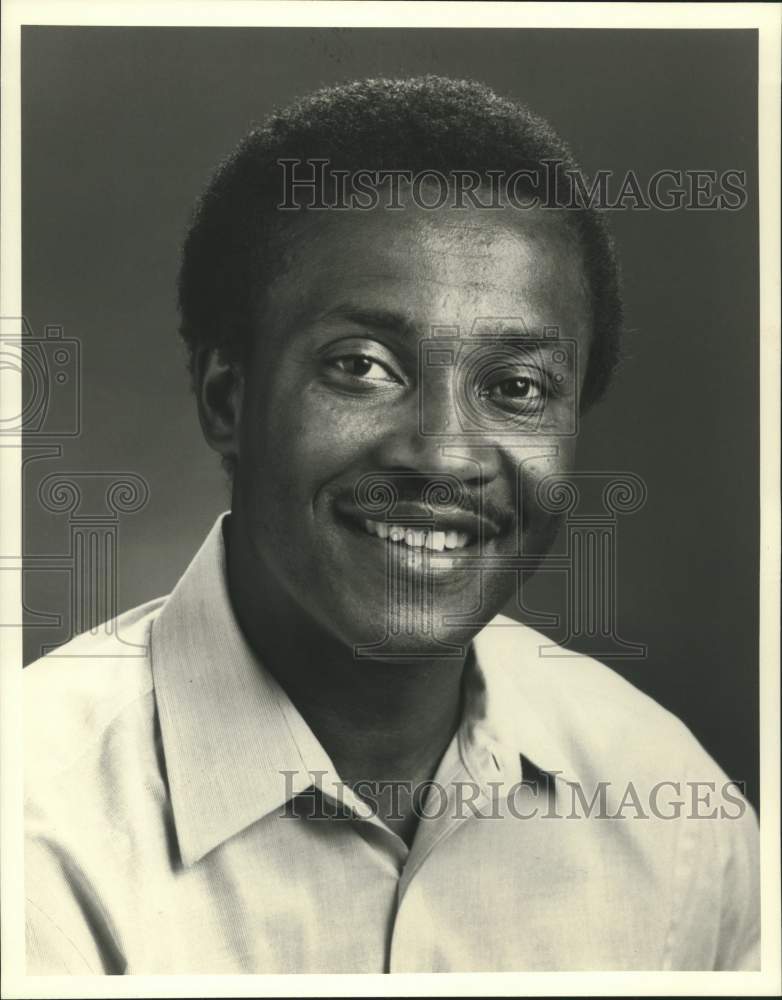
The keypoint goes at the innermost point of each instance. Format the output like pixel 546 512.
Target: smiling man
pixel 337 756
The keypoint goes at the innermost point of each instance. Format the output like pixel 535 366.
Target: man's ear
pixel 219 386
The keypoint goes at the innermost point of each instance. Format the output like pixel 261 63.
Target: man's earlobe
pixel 219 388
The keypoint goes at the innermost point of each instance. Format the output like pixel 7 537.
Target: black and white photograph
pixel 390 402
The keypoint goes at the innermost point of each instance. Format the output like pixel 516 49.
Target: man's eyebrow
pixel 374 318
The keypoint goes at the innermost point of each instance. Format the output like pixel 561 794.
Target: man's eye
pixel 522 391
pixel 364 367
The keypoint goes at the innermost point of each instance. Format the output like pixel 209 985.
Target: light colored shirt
pixel 170 830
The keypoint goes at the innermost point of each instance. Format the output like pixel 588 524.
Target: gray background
pixel 121 128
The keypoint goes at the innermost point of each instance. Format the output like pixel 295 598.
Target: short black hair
pixel 235 244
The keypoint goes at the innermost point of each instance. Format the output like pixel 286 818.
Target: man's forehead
pixel 464 232
pixel 447 260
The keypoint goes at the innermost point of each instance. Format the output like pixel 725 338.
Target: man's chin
pixel 443 629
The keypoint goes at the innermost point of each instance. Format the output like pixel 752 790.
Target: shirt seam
pixel 62 933
pixel 53 775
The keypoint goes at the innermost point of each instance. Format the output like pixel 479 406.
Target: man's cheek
pixel 540 521
pixel 534 464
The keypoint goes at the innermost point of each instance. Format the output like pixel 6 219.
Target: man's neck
pixel 378 720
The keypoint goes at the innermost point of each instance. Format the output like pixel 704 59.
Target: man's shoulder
pixel 591 711
pixel 75 692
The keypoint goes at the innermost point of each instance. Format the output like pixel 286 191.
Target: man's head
pixel 339 350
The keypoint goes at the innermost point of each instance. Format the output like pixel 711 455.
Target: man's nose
pixel 430 436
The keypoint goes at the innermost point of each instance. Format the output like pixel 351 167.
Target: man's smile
pixel 416 539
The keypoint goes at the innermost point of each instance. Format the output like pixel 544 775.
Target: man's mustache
pixel 421 494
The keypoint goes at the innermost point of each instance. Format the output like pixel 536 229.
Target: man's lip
pixel 419 516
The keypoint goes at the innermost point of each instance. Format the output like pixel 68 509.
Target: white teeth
pixel 435 541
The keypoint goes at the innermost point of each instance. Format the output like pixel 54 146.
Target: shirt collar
pixel 236 747
pixel 510 710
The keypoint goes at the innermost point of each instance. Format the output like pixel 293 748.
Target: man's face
pixel 343 385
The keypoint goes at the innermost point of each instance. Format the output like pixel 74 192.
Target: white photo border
pixel 767 19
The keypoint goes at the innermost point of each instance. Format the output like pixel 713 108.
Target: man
pixel 335 755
